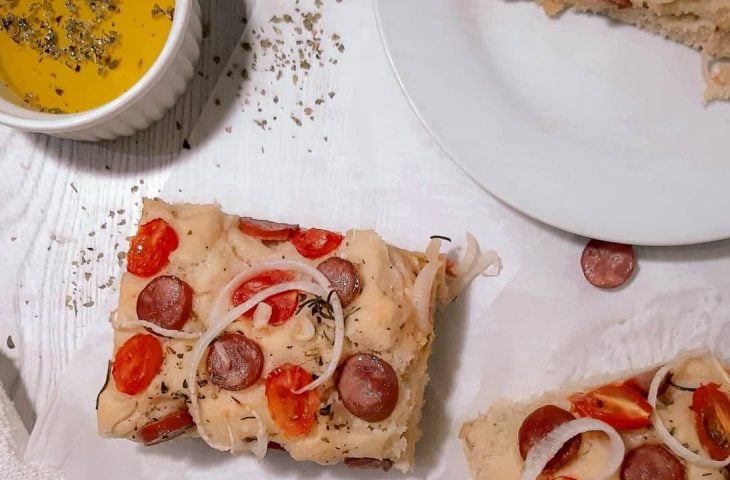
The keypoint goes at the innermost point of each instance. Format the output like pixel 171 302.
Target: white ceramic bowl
pixel 144 103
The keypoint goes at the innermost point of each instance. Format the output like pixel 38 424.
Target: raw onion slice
pixel 484 262
pixel 163 332
pixel 544 450
pixel 666 437
pixel 422 291
pixel 469 257
pixel 303 329
pixel 261 315
pixel 262 438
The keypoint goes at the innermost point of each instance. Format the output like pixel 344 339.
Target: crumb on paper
pixel 10 342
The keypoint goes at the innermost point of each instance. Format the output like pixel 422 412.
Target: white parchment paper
pixel 535 326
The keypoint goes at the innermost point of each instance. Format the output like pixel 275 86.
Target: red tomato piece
pixel 283 305
pixel 137 363
pixel 166 428
pixel 295 414
pixel 315 242
pixel 562 477
pixel 150 249
pixel 711 408
pixel 618 405
pixel 266 230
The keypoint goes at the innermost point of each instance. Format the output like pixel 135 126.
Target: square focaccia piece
pixel 253 335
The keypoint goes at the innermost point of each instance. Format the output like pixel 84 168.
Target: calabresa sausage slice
pixel 368 387
pixel 137 363
pixel 538 424
pixel 283 306
pixel 166 301
pixel 150 248
pixel 166 428
pixel 315 242
pixel 266 230
pixel 652 462
pixel 234 362
pixel 369 463
pixel 294 413
pixel 607 264
pixel 343 277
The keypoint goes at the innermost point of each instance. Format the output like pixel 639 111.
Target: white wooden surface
pixel 63 204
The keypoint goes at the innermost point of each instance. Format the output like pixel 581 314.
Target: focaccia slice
pixel 496 442
pixel 331 368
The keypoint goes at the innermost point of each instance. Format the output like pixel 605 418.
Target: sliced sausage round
pixel 368 387
pixel 536 427
pixel 343 277
pixel 652 462
pixel 166 301
pixel 607 264
pixel 369 463
pixel 166 428
pixel 235 362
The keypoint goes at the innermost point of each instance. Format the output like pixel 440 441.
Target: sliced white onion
pixel 421 297
pixel 261 315
pixel 164 332
pixel 485 261
pixel 469 257
pixel 303 329
pixel 262 439
pixel 666 437
pixel 544 450
pixel 433 250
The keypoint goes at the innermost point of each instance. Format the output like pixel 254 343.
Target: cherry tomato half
pixel 618 405
pixel 295 414
pixel 266 230
pixel 166 428
pixel 711 408
pixel 137 363
pixel 150 249
pixel 283 305
pixel 315 243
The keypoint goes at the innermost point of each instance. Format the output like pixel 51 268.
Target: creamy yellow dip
pixel 67 56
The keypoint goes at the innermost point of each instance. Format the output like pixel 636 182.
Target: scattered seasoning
pixel 73 187
pixel 10 342
pixel 186 144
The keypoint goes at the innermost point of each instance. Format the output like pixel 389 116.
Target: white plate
pixel 590 126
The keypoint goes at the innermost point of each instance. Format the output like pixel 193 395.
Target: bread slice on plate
pixel 700 24
pixel 253 335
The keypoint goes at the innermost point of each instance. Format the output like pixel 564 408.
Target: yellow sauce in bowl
pixel 68 56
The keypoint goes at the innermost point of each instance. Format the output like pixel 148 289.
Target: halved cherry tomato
pixel 137 363
pixel 283 305
pixel 150 249
pixel 166 428
pixel 712 420
pixel 315 242
pixel 618 405
pixel 266 230
pixel 295 414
